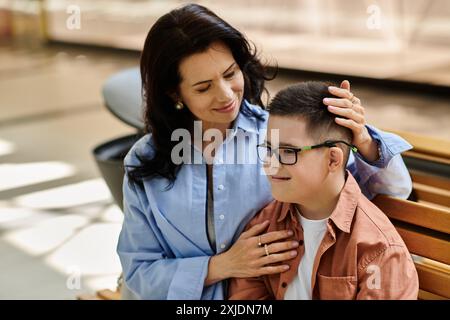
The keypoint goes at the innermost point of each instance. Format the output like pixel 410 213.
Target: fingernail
pixel 290 232
pixel 326 100
pixel 294 244
pixel 293 253
pixel 285 267
pixel 331 107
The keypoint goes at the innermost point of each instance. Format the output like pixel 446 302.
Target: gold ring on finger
pixel 266 248
pixel 259 241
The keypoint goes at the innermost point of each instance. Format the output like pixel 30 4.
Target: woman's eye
pixel 230 75
pixel 203 89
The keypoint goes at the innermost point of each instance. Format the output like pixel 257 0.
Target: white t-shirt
pixel 313 233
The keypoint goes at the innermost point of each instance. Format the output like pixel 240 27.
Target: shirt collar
pixel 245 122
pixel 342 215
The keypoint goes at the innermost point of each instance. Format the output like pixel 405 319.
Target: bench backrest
pixel 425 228
pixel 426 148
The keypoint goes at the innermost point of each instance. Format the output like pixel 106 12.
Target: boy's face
pixel 304 179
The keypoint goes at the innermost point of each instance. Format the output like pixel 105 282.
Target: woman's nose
pixel 225 92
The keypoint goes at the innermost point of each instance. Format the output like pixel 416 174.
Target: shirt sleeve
pixel 387 175
pixel 148 269
pixel 390 276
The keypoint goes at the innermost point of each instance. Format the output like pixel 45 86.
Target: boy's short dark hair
pixel 305 100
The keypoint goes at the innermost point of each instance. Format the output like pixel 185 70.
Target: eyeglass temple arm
pixel 330 144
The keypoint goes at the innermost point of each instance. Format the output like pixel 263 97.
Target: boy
pixel 348 248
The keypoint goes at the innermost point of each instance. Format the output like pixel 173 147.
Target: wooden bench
pixel 430 189
pixel 105 294
pixel 429 164
pixel 426 231
pixel 426 148
pixel 424 222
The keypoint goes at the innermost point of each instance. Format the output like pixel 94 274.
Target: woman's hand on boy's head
pixel 351 115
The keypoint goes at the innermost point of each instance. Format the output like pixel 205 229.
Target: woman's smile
pixel 227 108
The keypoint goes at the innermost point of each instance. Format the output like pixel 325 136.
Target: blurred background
pixel 59 219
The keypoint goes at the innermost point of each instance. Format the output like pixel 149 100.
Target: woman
pixel 181 237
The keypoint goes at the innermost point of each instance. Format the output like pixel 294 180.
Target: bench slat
pixel 415 213
pixel 425 243
pixel 427 157
pixel 425 295
pixel 432 194
pixel 107 294
pixel 433 279
pixel 430 179
pixel 426 145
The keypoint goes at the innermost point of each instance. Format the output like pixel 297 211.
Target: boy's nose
pixel 273 165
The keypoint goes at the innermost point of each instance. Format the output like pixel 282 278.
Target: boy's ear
pixel 336 158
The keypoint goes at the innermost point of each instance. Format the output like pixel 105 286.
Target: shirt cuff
pixel 389 145
pixel 189 279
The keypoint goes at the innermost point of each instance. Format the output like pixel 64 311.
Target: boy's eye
pixel 287 151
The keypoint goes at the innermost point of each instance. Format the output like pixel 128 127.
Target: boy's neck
pixel 322 206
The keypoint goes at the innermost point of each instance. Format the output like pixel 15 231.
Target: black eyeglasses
pixel 288 155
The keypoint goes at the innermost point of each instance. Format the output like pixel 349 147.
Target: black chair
pixel 122 96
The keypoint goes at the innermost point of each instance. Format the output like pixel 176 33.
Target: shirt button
pixel 220 187
pixel 222 246
pixel 222 217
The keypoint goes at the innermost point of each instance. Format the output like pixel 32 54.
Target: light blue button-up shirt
pixel 163 245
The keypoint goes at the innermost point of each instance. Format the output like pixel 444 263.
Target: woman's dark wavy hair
pixel 175 36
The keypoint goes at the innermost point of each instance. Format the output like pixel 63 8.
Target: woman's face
pixel 212 85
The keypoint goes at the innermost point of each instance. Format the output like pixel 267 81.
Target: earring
pixel 179 105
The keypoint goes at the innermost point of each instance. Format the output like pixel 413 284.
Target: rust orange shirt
pixel 361 255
